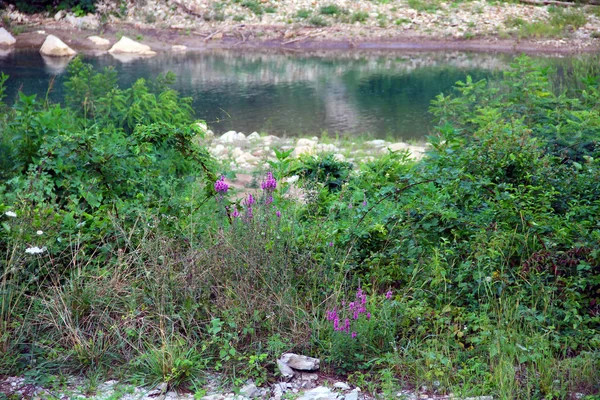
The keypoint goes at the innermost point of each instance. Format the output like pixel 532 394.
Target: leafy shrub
pixel 331 9
pixel 359 16
pixel 34 6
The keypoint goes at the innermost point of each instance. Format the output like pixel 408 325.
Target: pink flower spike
pixel 353 335
pixel 221 186
pixel 278 214
pixel 388 295
pixel 368 315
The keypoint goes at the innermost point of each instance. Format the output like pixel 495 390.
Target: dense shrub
pixel 475 270
pixel 35 6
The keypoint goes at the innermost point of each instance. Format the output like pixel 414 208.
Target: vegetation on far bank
pixel 475 270
pixel 466 19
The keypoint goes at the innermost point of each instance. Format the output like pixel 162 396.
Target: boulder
pixel 304 146
pixel 59 15
pixel 250 391
pixel 6 39
pixel 254 136
pixel 285 370
pixel 89 21
pixel 319 393
pixel 341 386
pixel 232 136
pixel 98 41
pixel 54 47
pixel 128 46
pixel 299 362
pixel 179 48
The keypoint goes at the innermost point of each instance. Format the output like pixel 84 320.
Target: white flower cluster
pixel 35 250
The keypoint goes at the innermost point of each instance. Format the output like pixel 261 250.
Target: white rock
pixel 306 142
pixel 353 395
pixel 299 362
pixel 399 146
pixel 309 377
pixel 217 150
pixel 341 385
pixel 330 148
pixel 232 136
pixel 376 143
pixel 89 21
pixel 59 15
pixel 179 47
pixel 54 47
pixel 298 151
pixel 250 390
pixel 254 136
pixel 213 397
pixel 128 46
pixel 98 41
pixel 285 370
pixel 6 39
pixel 339 157
pixel 318 393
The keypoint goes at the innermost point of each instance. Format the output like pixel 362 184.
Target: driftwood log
pixel 560 3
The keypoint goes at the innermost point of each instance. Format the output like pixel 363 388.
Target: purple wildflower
pixel 278 213
pixel 269 200
pixel 347 325
pixel 270 184
pixel 353 335
pixel 388 295
pixel 330 244
pixel 250 200
pixel 368 315
pixel 221 186
pixel 249 214
pixel 336 324
pixel 235 213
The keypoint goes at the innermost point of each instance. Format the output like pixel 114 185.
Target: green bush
pixel 35 6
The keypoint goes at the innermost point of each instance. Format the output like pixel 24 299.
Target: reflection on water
pixel 381 94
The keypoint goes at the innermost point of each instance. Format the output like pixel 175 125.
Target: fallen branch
pixel 187 9
pixel 307 36
pixel 206 39
pixel 559 3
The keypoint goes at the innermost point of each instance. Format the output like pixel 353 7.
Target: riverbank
pixel 310 25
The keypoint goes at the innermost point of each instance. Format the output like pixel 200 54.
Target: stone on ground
pixel 126 45
pixel 299 362
pixel 98 41
pixel 54 47
pixel 6 39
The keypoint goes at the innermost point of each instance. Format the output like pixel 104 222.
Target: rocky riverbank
pixel 321 24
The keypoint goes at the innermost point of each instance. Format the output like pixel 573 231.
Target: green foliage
pixel 117 255
pixel 359 16
pixel 34 6
pixel 303 13
pixel 253 6
pixel 424 5
pixel 332 9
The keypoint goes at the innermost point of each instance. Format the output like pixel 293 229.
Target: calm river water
pixel 376 94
